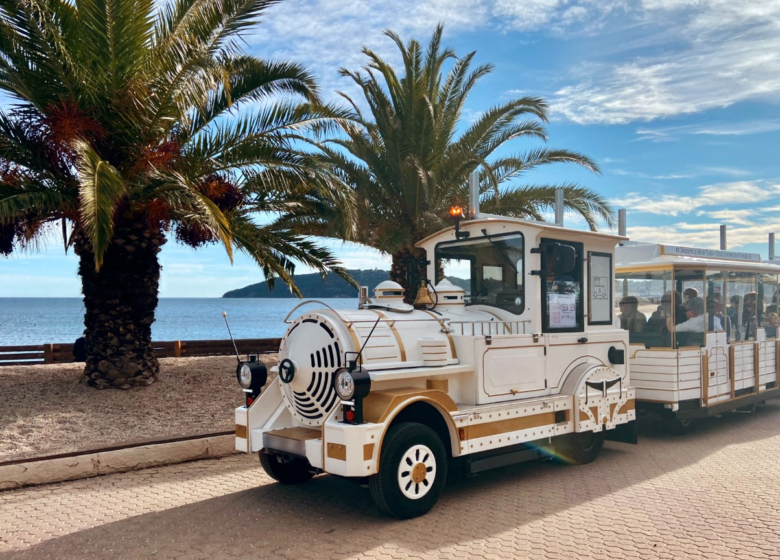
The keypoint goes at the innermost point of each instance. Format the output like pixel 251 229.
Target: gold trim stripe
pixel 337 451
pixel 627 407
pixel 368 451
pixel 449 336
pixel 240 431
pixel 732 372
pixel 396 334
pixel 757 367
pixel 511 425
pixel 378 405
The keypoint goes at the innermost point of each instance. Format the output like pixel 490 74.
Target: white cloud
pixel 696 171
pixel 731 53
pixel 709 129
pixel 738 192
pixel 703 235
pixel 326 35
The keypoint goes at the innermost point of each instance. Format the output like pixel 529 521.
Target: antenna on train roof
pixel 238 356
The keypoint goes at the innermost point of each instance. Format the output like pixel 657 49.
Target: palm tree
pixel 409 157
pixel 133 122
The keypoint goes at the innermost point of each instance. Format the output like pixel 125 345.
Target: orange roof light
pixel 456 212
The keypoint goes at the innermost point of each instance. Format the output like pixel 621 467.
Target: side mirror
pixel 562 257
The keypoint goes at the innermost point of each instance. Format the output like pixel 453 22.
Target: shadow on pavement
pixel 332 517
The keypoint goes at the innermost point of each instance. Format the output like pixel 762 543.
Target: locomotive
pixel 512 354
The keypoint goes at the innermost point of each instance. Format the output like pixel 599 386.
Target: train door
pixel 562 306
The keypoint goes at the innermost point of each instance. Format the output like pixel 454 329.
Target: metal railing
pixel 492 328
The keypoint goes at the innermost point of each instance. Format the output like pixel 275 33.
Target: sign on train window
pixel 600 288
pixel 562 285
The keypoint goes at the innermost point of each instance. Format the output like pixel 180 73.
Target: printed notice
pixel 563 310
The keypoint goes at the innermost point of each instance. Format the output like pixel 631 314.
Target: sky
pixel 677 101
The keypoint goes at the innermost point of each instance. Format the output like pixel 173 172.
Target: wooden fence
pixel 63 353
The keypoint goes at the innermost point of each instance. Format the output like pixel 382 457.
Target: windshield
pixel 490 269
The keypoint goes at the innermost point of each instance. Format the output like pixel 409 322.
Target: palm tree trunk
pixel 408 270
pixel 120 301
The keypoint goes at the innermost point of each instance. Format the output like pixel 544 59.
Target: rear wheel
pixel 412 472
pixel 678 426
pixel 579 448
pixel 284 469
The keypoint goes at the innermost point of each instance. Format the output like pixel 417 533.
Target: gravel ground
pixel 47 409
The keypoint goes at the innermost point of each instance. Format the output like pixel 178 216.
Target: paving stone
pixel 709 494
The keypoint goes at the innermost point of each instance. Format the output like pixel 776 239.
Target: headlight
pixel 252 376
pixel 345 385
pixel 245 376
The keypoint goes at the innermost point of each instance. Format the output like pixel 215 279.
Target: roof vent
pixel 390 295
pixel 449 295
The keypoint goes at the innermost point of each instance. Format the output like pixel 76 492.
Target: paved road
pixel 714 493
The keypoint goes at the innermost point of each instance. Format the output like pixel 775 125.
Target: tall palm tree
pixel 409 157
pixel 134 121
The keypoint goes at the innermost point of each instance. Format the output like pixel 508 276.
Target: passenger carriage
pixel 516 357
pixel 730 363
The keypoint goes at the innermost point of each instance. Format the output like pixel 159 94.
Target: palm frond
pixel 101 189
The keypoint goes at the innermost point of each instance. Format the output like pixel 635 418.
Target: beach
pixel 48 410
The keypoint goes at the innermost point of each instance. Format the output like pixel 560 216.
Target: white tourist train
pixel 702 329
pixel 527 361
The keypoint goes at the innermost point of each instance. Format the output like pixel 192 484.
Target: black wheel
pixel 412 471
pixel 285 470
pixel 677 426
pixel 579 448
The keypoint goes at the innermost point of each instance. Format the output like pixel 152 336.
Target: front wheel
pixel 289 471
pixel 412 472
pixel 579 448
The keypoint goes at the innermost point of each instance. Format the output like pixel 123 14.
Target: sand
pixel 46 409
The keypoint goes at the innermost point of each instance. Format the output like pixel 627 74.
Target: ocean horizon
pixel 41 320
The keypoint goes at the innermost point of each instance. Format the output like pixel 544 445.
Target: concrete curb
pixel 114 461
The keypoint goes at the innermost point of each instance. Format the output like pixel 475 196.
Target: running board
pixel 480 464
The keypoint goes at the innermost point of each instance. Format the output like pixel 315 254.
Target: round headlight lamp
pixel 245 376
pixel 252 376
pixel 345 385
pixel 352 385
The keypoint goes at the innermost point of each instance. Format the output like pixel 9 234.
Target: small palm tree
pixel 409 158
pixel 133 122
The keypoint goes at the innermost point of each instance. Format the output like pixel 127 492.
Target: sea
pixel 28 321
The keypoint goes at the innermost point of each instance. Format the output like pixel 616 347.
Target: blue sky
pixel 677 100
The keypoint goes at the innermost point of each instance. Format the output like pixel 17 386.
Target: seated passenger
pixel 690 293
pixel 630 318
pixel 715 311
pixel 734 313
pixel 773 306
pixel 750 315
pixel 771 324
pixel 659 318
pixel 694 311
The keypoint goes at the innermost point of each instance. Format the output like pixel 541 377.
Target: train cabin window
pixel 493 265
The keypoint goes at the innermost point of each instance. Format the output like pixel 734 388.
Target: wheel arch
pixel 428 412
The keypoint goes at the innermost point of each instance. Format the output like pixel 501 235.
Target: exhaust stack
pixel 723 245
pixel 622 222
pixel 771 246
pixel 559 207
pixel 474 195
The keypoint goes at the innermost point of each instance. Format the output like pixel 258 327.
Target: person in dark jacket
pixel 80 350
